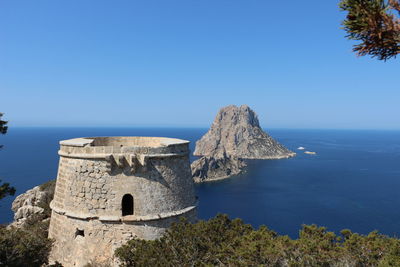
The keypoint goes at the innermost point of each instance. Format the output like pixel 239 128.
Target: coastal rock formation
pixel 211 169
pixel 234 135
pixel 236 132
pixel 32 203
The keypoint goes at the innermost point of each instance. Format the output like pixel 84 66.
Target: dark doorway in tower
pixel 127 205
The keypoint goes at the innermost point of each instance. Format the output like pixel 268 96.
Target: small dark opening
pixel 127 205
pixel 79 232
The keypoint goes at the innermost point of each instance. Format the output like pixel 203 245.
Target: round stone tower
pixel 112 189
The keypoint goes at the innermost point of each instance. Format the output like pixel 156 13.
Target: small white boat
pixel 310 153
pixel 300 148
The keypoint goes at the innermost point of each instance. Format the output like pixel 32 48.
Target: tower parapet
pixel 112 189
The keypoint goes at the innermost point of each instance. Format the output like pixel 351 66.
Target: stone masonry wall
pixel 87 223
pixel 101 238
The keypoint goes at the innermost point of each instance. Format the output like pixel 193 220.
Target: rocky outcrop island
pixel 216 168
pixel 235 135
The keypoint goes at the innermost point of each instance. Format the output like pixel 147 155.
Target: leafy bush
pixel 224 242
pixel 6 190
pixel 25 247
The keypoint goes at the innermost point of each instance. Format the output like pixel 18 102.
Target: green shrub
pixel 224 242
pixel 24 247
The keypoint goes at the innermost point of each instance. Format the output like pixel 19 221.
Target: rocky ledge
pixel 212 169
pixel 34 202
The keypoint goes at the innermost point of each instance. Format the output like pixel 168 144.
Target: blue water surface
pixel 353 181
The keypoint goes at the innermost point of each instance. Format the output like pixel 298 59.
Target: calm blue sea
pixel 353 182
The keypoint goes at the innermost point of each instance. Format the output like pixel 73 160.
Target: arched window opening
pixel 127 205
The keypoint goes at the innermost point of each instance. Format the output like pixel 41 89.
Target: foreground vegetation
pixel 224 242
pixel 27 246
pixel 219 241
pixel 5 188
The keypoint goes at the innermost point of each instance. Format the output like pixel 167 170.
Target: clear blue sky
pixel 175 63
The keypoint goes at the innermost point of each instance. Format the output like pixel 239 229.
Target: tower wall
pixel 95 174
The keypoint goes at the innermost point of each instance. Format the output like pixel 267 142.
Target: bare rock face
pixel 25 212
pixel 31 197
pixel 26 205
pixel 210 169
pixel 236 132
pixel 33 202
pixel 234 135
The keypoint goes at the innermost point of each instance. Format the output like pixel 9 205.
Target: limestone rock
pixel 234 135
pixel 31 203
pixel 236 132
pixel 31 197
pixel 210 169
pixel 27 211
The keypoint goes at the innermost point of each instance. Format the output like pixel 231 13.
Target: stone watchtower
pixel 111 189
